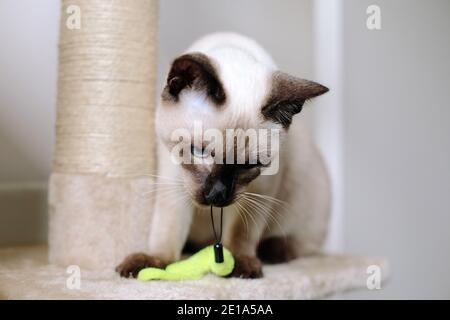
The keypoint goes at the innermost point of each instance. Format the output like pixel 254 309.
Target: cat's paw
pixel 247 267
pixel 135 262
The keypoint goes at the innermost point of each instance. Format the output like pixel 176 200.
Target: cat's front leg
pixel 242 234
pixel 170 225
pixel 171 222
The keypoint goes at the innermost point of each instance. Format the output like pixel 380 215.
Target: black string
pixel 218 239
pixel 218 248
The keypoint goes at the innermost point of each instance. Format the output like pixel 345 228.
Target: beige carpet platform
pixel 25 274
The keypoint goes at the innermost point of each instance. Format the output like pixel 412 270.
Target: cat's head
pixel 206 101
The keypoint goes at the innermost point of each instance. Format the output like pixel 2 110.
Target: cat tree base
pixel 26 274
pixel 96 221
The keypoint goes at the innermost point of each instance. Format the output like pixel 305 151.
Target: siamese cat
pixel 227 81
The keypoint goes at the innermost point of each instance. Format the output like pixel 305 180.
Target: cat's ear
pixel 287 96
pixel 194 71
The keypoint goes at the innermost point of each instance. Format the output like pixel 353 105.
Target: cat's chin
pixel 203 205
pixel 207 206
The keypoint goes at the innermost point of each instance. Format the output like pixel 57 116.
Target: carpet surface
pixel 26 274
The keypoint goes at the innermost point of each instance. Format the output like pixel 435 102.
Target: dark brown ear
pixel 287 96
pixel 194 71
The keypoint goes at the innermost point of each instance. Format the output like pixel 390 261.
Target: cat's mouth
pixel 207 199
pixel 217 194
pixel 220 203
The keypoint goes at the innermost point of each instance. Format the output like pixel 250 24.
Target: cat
pixel 228 81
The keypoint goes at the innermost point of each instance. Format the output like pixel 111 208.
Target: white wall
pixel 397 143
pixel 327 115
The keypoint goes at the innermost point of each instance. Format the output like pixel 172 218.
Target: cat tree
pixel 104 149
pixel 104 133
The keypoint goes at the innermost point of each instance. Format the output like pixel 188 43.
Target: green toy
pixel 215 259
pixel 193 268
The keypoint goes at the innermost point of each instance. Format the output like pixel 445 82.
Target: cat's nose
pixel 217 195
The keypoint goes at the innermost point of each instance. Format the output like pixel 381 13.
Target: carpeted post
pixel 104 145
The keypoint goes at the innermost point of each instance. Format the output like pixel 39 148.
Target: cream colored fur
pixel 245 70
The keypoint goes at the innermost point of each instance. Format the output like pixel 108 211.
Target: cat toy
pixel 214 259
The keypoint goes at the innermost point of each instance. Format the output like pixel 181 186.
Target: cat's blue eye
pixel 198 152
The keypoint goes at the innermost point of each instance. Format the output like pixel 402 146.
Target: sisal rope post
pixel 104 144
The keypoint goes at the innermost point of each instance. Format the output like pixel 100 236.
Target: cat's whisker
pixel 162 177
pixel 253 207
pixel 236 209
pixel 163 195
pixel 137 175
pixel 161 187
pixel 274 201
pixel 258 209
pixel 268 211
pixel 175 202
pixel 159 191
pixel 177 198
pixel 243 217
pixel 165 183
pixel 157 184
pixel 162 192
pixel 169 195
pixel 265 209
pixel 269 198
pixel 247 211
pixel 270 206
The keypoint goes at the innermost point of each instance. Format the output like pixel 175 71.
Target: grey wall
pixel 282 27
pixel 28 70
pixel 397 143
